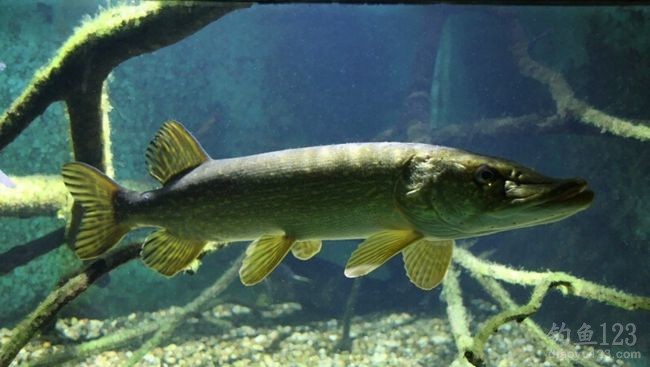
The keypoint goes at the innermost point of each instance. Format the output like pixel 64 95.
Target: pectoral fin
pixel 305 250
pixel 263 256
pixel 168 254
pixel 426 262
pixel 377 249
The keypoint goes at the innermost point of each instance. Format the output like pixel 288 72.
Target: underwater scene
pixel 260 184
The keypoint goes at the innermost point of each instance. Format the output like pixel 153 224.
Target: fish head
pixel 456 194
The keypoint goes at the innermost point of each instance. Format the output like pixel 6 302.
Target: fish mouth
pixel 541 203
pixel 569 193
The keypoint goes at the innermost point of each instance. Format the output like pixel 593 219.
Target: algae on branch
pixel 77 73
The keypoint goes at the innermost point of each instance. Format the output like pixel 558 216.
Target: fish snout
pixel 571 191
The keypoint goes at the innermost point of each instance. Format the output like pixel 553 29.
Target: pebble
pixel 440 339
pixel 398 339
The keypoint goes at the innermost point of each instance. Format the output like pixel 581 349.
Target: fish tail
pixel 100 227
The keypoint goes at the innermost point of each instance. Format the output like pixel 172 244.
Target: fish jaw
pixel 548 202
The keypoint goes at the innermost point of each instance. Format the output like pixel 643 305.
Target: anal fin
pixel 377 249
pixel 305 250
pixel 426 262
pixel 168 254
pixel 263 256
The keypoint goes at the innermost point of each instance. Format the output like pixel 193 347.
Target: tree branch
pixel 534 331
pixel 565 101
pixel 20 255
pixel 67 291
pixel 171 324
pixel 43 196
pixel 475 354
pixel 457 313
pixel 76 74
pixel 570 284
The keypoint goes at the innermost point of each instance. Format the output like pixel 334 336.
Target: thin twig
pixel 170 325
pixel 82 351
pixel 345 343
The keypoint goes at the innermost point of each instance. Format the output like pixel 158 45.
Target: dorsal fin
pixel 173 151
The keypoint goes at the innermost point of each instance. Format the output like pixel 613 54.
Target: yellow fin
pixel 173 151
pixel 377 249
pixel 99 229
pixel 168 254
pixel 305 250
pixel 426 262
pixel 263 256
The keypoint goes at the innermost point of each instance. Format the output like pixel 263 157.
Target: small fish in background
pixel 285 273
pixel 282 285
pixel 46 11
pixel 4 179
pixel 3 66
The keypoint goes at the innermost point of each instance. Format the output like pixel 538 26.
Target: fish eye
pixel 485 174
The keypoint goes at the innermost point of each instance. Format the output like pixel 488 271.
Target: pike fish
pixel 413 199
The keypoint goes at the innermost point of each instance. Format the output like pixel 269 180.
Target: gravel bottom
pixel 232 339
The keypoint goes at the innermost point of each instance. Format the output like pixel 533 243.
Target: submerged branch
pixel 534 331
pixel 457 313
pixel 43 196
pixel 89 130
pixel 489 128
pixel 508 126
pixel 34 196
pixel 82 351
pixel 168 327
pixel 476 355
pixel 471 349
pixel 76 74
pixel 570 284
pixel 565 101
pixel 67 291
pixel 345 342
pixel 20 255
pixel 160 330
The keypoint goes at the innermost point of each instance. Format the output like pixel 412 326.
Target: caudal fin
pixel 99 230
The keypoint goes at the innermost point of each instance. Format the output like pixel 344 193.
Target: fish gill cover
pixel 555 88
